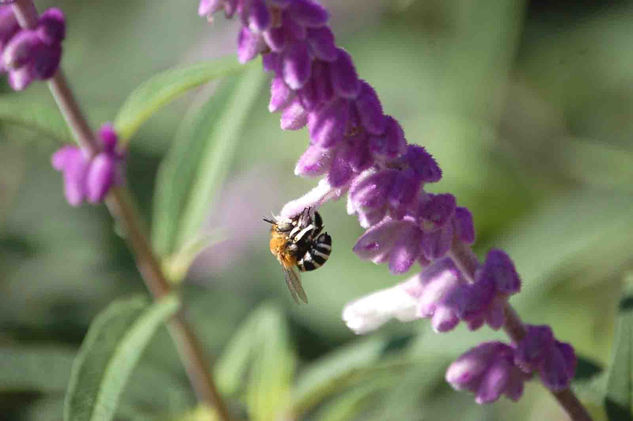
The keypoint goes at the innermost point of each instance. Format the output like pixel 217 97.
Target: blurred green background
pixel 527 106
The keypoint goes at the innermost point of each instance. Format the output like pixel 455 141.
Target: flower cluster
pixel 494 368
pixel 90 178
pixel 30 54
pixel 362 152
pixel 441 294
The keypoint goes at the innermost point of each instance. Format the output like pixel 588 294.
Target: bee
pixel 299 243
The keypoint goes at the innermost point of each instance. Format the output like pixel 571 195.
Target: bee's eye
pixel 285 227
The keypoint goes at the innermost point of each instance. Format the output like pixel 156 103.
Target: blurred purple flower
pixel 88 178
pixel 28 55
pixel 488 371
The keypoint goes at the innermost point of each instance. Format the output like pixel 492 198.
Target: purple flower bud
pixel 377 242
pixel 403 192
pixel 370 110
pixel 321 42
pixel 314 162
pixel 20 78
pixel 437 243
pixel 344 78
pixel 271 62
pixel 436 210
pixel 20 50
pixel 296 63
pixel 340 169
pixel 554 361
pixel 487 371
pixel 293 117
pixel 100 177
pixel 280 95
pixel 372 311
pixel 327 124
pixel 258 16
pixel 391 143
pixel 46 62
pixel 275 39
pixel 8 27
pixel 51 26
pixel 440 281
pixel 308 13
pixel 209 7
pixel 405 251
pixel 463 225
pixel 71 161
pixel 371 190
pixel 499 268
pixel 423 164
pixel 248 45
pixel 108 137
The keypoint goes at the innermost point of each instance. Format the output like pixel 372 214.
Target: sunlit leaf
pixel 112 347
pixel 44 118
pixel 197 165
pixel 619 396
pixel 163 88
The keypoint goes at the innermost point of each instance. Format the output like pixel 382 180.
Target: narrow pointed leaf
pixel 163 88
pixel 41 117
pixel 109 353
pixel 619 397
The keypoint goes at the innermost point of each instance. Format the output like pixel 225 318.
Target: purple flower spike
pixel 296 64
pixel 436 210
pixel 327 124
pixel 377 242
pixel 440 281
pixel 487 371
pixel 308 13
pixel 249 45
pixel 405 251
pixel 423 164
pixel 314 162
pixel 370 110
pixel 52 26
pixel 437 243
pixel 108 137
pixel 499 268
pixel 280 95
pixel 294 117
pixel 258 16
pixel 391 143
pixel 463 225
pixel 554 361
pixel 8 27
pixel 321 41
pixel 344 78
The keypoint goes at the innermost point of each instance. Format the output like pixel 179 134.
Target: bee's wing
pixel 294 285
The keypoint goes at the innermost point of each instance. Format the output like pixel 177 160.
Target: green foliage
pixel 163 88
pixel 112 347
pixel 259 353
pixel 619 396
pixel 21 369
pixel 42 117
pixel 197 164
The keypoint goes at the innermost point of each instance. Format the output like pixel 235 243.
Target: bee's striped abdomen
pixel 317 254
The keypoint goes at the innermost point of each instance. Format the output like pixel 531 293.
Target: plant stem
pixel 122 209
pixel 467 261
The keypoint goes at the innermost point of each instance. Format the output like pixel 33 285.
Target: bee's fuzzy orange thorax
pixel 278 245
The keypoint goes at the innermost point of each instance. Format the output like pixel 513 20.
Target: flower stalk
pixel 122 209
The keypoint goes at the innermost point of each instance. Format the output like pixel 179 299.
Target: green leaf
pixel 339 370
pixel 619 397
pixel 113 346
pixel 349 405
pixel 197 165
pixel 44 118
pixel 163 88
pixel 260 357
pixel 22 369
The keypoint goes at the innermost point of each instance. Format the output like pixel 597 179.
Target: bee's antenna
pixel 270 221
